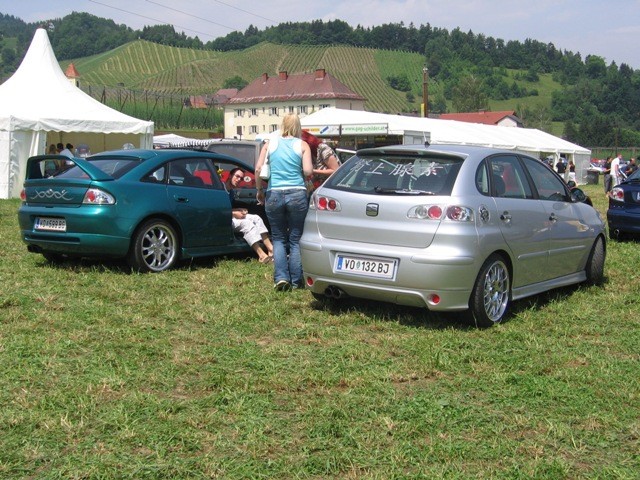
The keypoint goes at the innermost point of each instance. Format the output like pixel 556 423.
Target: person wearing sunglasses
pixel 250 226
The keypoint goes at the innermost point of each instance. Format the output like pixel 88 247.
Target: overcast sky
pixel 608 28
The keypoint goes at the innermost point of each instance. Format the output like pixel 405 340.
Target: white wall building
pixel 258 109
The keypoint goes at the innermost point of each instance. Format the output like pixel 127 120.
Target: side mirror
pixel 571 184
pixel 578 196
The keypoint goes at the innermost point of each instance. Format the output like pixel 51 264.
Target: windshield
pixel 635 175
pixel 248 153
pixel 397 174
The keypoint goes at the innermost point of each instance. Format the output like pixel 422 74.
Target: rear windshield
pixel 397 175
pixel 115 167
pixel 244 152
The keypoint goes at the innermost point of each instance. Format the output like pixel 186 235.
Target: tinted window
pixel 193 172
pixel 116 167
pixel 508 178
pixel 397 174
pixel 548 184
pixel 248 153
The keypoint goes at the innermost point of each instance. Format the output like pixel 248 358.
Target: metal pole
pixel 425 91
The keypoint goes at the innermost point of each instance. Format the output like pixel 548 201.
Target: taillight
pixel 426 212
pixel 459 214
pixel 617 194
pixel 435 212
pixel 23 195
pixel 95 196
pixel 327 203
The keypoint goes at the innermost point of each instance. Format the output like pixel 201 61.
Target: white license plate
pixel 367 266
pixel 51 224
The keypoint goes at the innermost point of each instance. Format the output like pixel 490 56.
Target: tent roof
pixel 450 131
pixel 40 97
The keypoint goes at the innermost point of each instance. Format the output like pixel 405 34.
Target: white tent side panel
pixel 38 104
pixel 17 145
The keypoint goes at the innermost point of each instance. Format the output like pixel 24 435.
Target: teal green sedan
pixel 151 207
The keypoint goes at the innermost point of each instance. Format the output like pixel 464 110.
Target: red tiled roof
pixel 284 87
pixel 487 118
pixel 71 71
pixel 197 101
pixel 224 94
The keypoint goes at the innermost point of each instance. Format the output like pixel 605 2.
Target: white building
pixel 258 109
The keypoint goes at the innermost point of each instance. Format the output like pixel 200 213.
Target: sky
pixel 606 28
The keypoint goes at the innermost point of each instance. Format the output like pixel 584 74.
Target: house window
pixel 323 105
pixel 253 129
pixel 253 112
pixel 239 112
pixel 302 109
pixel 292 109
pixel 273 110
pixel 273 127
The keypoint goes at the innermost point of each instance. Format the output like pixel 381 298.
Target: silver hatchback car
pixel 449 228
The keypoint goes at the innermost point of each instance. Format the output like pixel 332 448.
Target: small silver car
pixel 450 228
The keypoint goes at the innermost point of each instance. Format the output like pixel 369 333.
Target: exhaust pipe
pixel 334 292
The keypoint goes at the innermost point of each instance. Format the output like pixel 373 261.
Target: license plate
pixel 367 266
pixel 51 224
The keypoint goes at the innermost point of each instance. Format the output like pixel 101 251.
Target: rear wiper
pixel 403 191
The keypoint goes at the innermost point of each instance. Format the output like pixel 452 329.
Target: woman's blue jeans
pixel 286 211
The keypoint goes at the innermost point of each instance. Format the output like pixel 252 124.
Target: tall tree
pixel 468 95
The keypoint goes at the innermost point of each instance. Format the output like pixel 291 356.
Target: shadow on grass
pixel 120 266
pixel 415 317
pixel 423 318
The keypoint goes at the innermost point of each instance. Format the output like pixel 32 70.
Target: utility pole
pixel 425 91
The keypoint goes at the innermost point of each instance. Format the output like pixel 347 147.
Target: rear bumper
pixel 76 244
pixel 623 221
pixel 433 278
pixel 91 231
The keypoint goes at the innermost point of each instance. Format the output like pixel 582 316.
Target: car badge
pixel 50 193
pixel 372 209
pixel 484 213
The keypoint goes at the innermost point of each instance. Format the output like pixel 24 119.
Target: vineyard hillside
pixel 147 66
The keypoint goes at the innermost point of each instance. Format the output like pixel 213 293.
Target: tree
pixel 535 117
pixel 571 133
pixel 399 82
pixel 235 82
pixel 468 95
pixel 8 59
pixel 595 66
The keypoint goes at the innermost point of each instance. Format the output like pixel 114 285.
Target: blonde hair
pixel 291 126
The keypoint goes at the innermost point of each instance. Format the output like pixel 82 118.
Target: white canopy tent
pixel 526 140
pixel 39 98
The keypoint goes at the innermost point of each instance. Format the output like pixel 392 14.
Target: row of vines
pixel 152 81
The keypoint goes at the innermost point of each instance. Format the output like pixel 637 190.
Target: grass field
pixel 205 372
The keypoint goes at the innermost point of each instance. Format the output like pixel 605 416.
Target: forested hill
pixel 468 71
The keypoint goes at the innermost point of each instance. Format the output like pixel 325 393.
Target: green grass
pixel 205 372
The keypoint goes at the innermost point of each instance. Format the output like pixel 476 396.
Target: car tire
pixel 154 248
pixel 491 293
pixel 595 263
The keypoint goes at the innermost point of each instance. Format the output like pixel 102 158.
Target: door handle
pixel 181 199
pixel 505 217
pixel 553 218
